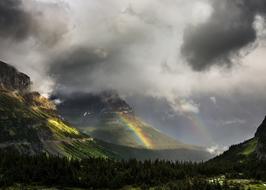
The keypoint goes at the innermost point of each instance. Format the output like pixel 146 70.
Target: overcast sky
pixel 193 68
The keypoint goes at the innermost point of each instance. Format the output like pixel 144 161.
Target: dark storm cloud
pixel 21 19
pixel 74 68
pixel 228 30
pixel 14 21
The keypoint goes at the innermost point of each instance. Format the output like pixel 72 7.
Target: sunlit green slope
pixel 29 124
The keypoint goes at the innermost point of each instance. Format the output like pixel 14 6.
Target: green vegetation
pixel 57 125
pixel 87 148
pixel 239 153
pixel 18 116
pixel 250 147
pixel 125 130
pixel 249 184
pixel 98 173
pixel 243 185
pixel 33 127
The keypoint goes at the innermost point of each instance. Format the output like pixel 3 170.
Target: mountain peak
pixel 106 116
pixel 261 131
pixel 12 79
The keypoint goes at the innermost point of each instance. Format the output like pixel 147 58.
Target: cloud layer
pixel 15 22
pixel 229 29
pixel 30 31
pixel 22 19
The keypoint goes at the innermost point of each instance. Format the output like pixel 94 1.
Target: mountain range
pixel 29 122
pixel 107 117
pixel 105 125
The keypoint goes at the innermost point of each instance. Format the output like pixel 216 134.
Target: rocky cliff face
pixel 11 79
pixel 35 99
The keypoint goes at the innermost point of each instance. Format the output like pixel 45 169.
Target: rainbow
pixel 135 127
pixel 199 126
pixel 196 122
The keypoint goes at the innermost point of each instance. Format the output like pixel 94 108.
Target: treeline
pixel 104 173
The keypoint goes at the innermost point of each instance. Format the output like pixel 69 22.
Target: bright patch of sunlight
pixel 62 127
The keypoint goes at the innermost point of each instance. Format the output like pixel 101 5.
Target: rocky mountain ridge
pixel 12 79
pixel 29 122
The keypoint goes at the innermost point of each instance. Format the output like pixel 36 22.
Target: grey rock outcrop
pixel 12 79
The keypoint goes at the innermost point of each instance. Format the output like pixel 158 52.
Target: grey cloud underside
pixel 14 21
pixel 75 67
pixel 229 29
pixel 22 19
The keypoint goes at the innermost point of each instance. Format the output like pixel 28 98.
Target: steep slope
pixel 29 122
pixel 105 116
pixel 254 148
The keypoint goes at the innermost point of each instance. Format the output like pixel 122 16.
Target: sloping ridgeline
pixel 30 125
pixel 254 148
